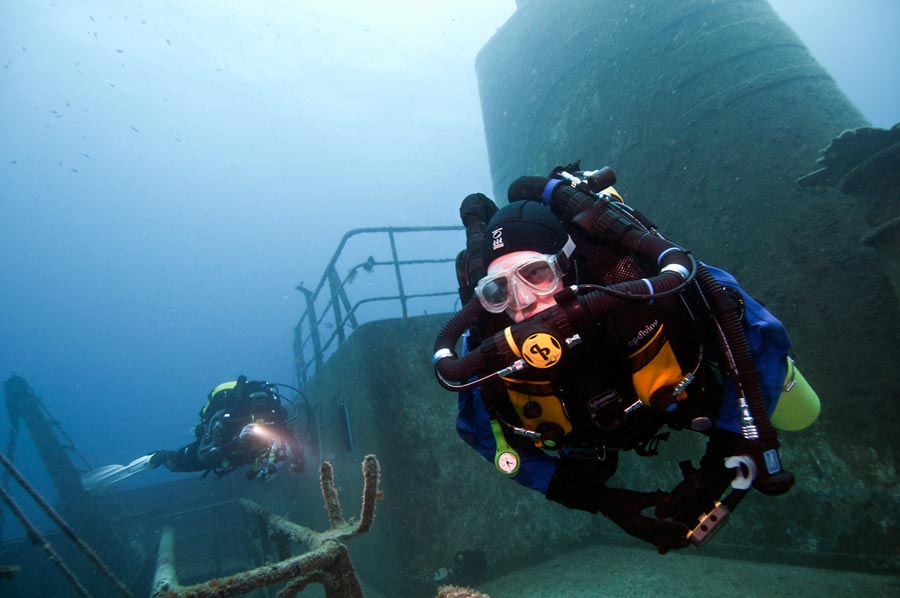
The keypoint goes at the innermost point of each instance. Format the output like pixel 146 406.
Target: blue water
pixel 169 174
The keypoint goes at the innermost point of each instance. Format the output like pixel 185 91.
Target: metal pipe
pixel 65 527
pixel 38 540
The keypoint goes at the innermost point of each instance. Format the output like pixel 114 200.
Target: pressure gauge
pixel 507 462
pixel 506 459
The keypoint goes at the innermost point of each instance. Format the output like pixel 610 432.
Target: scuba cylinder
pixel 799 405
pixel 576 199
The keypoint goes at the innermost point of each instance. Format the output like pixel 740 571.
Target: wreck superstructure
pixel 710 111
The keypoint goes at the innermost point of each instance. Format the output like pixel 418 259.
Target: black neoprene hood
pixel 523 226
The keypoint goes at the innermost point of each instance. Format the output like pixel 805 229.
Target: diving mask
pixel 538 275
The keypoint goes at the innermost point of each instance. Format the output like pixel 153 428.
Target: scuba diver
pixel 585 332
pixel 242 424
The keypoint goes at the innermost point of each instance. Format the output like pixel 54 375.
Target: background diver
pixel 242 424
pixel 586 331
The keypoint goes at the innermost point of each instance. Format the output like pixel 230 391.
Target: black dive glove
pixel 701 488
pixel 162 457
pixel 581 485
pixel 623 507
pixel 696 494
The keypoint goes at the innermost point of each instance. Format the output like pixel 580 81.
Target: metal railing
pixel 333 308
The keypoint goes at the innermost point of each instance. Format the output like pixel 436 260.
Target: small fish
pixel 135 130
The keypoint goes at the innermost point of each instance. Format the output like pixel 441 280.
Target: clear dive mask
pixel 538 275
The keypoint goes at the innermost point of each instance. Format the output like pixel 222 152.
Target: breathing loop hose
pixel 577 307
pixel 574 311
pixel 448 367
pixel 581 306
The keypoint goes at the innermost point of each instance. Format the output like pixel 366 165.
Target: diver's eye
pixel 538 274
pixel 495 291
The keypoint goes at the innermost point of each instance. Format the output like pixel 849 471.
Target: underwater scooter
pixel 578 199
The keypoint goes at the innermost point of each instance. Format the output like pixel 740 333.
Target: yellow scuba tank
pixel 798 406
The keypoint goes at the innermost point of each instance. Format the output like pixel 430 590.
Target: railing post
pixel 313 326
pixel 299 359
pixel 396 261
pixel 339 303
pixel 334 284
pixel 351 317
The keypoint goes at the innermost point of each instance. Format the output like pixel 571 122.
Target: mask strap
pixel 562 258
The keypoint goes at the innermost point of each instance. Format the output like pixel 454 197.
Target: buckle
pixel 585 454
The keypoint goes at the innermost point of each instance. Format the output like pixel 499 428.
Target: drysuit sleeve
pixel 473 423
pixel 181 460
pixel 768 342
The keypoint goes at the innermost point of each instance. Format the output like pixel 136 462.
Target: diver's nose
pixel 521 294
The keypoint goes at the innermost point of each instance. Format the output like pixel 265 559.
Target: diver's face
pixel 525 299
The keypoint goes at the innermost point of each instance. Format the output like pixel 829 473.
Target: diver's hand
pixel 247 431
pixel 624 508
pixel 696 494
pixel 158 458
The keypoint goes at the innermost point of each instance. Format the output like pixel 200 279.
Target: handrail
pixel 330 316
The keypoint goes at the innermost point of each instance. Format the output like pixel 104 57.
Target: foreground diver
pixel 586 332
pixel 243 423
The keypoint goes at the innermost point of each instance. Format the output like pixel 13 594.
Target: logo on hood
pixel 497 239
